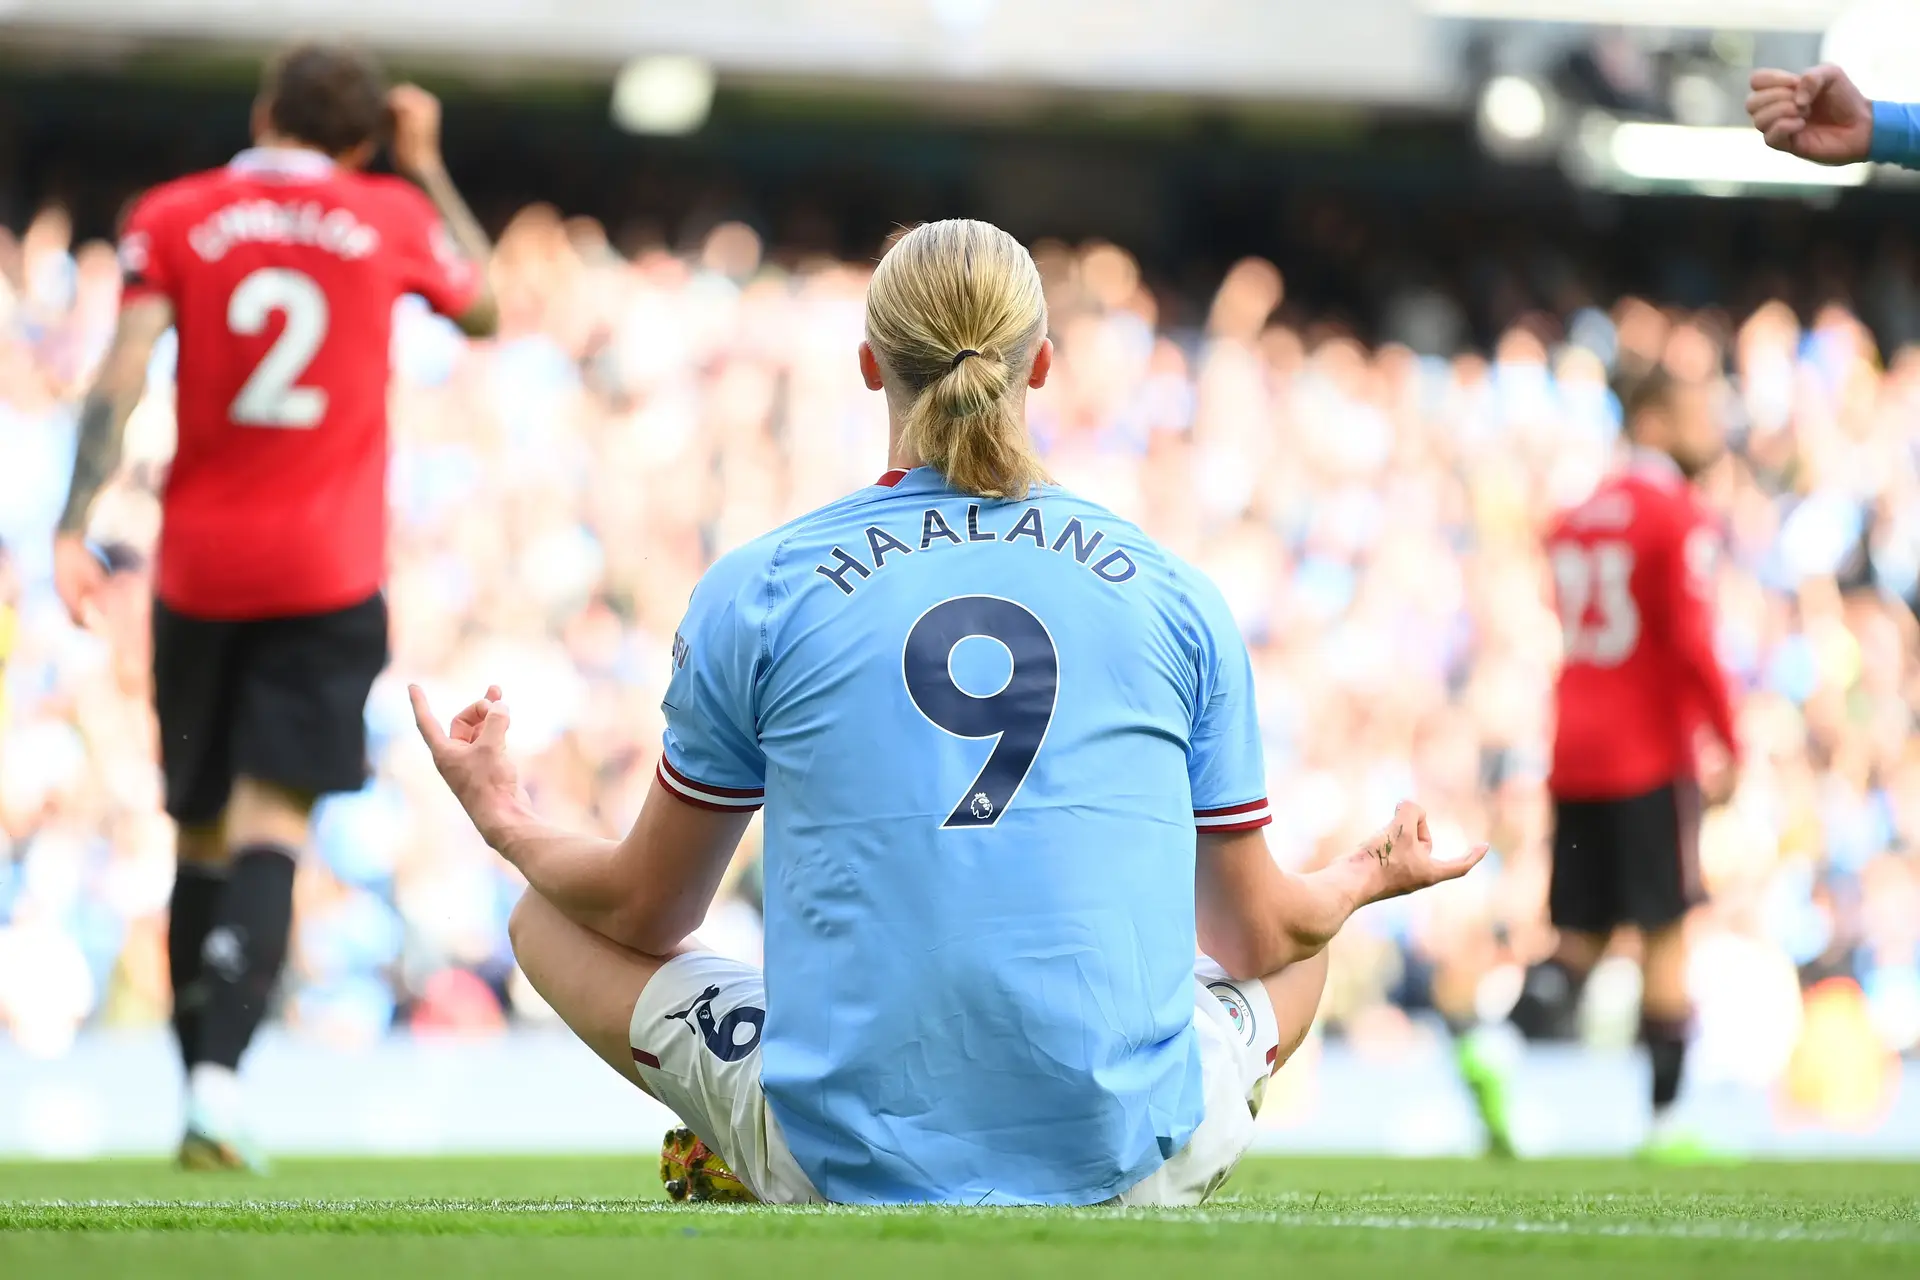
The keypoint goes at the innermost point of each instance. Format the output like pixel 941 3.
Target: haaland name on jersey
pixel 846 571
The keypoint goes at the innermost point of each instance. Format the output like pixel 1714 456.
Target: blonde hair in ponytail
pixel 955 311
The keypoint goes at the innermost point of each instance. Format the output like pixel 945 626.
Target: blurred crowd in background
pixel 1372 515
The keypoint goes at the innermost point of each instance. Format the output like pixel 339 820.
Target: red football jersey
pixel 1633 576
pixel 283 270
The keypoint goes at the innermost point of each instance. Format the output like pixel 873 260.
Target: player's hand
pixel 471 755
pixel 1402 852
pixel 1819 115
pixel 1716 769
pixel 1718 784
pixel 416 129
pixel 78 575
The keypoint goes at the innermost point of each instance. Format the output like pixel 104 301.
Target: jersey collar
pixel 920 479
pixel 1654 465
pixel 290 164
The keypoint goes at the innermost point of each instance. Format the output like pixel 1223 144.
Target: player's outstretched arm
pixel 416 154
pixel 649 891
pixel 77 571
pixel 1255 919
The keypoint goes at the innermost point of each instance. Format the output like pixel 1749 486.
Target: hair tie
pixel 958 356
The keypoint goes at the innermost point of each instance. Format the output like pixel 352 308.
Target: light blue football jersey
pixel 985 733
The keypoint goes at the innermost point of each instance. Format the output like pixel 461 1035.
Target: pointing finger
pixel 423 720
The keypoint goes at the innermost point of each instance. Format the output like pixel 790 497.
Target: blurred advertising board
pixel 117 1093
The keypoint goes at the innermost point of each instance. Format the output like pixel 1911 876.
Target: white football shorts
pixel 696 1046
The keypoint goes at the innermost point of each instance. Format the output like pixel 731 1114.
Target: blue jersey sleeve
pixel 1226 765
pixel 1896 134
pixel 712 755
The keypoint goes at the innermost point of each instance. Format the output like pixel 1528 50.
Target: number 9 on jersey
pixel 1017 716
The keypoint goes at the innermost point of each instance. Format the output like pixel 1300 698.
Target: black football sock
pixel 1549 1002
pixel 197 889
pixel 244 950
pixel 1666 1041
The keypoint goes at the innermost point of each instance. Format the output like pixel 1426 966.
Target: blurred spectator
pixel 1371 515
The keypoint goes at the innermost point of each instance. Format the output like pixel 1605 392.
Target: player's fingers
pixel 412 100
pixel 493 730
pixel 1772 78
pixel 1775 113
pixel 1761 99
pixel 466 725
pixel 1813 83
pixel 1781 136
pixel 1454 868
pixel 423 720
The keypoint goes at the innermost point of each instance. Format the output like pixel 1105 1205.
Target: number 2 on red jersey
pixel 271 397
pixel 1593 585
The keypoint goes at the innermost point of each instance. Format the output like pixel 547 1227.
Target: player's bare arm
pixel 1691 615
pixel 77 571
pixel 648 891
pixel 1255 918
pixel 416 154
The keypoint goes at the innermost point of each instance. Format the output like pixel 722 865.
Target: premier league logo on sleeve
pixel 1236 1006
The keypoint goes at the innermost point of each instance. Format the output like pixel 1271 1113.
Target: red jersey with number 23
pixel 283 270
pixel 1633 573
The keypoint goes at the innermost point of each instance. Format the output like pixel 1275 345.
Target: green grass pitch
pixel 1278 1219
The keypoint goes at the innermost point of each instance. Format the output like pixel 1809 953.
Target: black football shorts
pixel 282 700
pixel 1628 861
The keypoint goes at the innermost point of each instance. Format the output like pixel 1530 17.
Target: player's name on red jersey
pixel 282 270
pixel 309 222
pixel 1633 576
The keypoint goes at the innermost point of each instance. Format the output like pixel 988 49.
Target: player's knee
pixel 267 813
pixel 203 844
pixel 260 795
pixel 1579 952
pixel 1664 940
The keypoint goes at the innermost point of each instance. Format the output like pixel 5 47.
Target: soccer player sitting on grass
pixel 1008 751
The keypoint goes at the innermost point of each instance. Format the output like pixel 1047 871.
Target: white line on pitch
pixel 1782 1233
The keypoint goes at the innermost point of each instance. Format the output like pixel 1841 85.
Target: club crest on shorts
pixel 1236 1006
